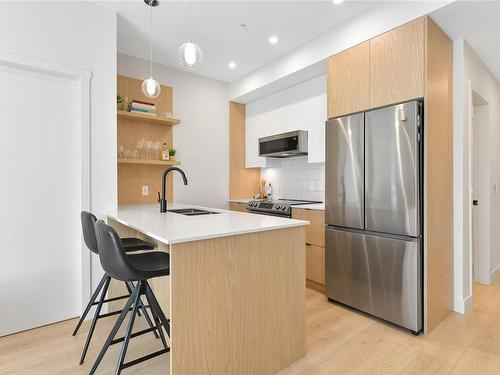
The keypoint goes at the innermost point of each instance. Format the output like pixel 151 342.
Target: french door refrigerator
pixel 374 212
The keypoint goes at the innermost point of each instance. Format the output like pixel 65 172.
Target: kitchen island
pixel 236 291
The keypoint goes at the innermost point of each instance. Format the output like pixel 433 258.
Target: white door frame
pixel 82 77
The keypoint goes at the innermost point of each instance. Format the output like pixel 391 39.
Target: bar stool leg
pixel 115 329
pixel 142 308
pixel 154 303
pixel 128 332
pixel 90 304
pixel 96 317
pixel 158 323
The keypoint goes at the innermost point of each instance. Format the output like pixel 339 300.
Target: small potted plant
pixel 171 153
pixel 120 103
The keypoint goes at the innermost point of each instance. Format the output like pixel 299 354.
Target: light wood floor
pixel 339 341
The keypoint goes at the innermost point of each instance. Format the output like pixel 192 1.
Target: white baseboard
pixel 495 273
pixel 462 306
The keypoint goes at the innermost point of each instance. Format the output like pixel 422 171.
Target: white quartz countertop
pixel 172 228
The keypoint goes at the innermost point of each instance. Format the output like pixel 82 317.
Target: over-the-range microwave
pixel 284 145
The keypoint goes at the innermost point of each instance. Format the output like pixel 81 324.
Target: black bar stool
pixel 129 244
pixel 131 268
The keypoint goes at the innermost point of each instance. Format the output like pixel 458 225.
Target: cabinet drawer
pixel 315 264
pixel 242 207
pixel 315 232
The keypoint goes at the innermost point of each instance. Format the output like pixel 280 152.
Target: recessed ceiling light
pixel 232 65
pixel 274 39
pixel 337 2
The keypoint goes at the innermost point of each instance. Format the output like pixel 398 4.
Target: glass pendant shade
pixel 190 55
pixel 151 88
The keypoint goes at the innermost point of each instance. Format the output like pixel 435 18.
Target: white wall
pixel 469 68
pixel 377 20
pixel 202 138
pixel 83 35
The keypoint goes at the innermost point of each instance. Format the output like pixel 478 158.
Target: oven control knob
pixel 283 207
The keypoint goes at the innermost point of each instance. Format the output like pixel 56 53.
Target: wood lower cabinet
pixel 348 81
pixel 397 65
pixel 241 207
pixel 315 264
pixel 315 246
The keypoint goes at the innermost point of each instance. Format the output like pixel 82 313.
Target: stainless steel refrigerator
pixel 374 163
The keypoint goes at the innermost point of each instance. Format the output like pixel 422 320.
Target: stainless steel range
pixel 280 207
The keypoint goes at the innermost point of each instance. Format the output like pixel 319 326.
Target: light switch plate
pixel 145 190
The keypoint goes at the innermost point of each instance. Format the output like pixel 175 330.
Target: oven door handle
pixel 269 213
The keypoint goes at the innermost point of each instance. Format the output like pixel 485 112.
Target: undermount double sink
pixel 192 212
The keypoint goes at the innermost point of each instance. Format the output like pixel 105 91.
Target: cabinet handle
pixel 308 244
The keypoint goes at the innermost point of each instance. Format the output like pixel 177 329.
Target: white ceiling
pixel 478 22
pixel 216 29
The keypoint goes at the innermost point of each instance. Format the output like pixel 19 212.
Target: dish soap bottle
pixel 270 192
pixel 164 153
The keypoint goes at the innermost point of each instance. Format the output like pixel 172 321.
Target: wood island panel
pixel 238 303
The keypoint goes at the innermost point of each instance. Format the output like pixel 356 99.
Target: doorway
pixel 480 186
pixel 44 185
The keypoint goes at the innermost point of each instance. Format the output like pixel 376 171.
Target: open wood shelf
pixel 147 118
pixel 147 162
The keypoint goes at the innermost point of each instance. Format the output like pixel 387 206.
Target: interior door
pixel 392 170
pixel 40 200
pixel 344 191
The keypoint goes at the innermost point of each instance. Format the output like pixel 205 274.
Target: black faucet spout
pixel 163 198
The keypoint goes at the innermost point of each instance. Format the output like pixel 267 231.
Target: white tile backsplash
pixel 295 178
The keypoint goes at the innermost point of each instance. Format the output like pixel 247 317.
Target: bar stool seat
pixel 136 244
pixel 148 265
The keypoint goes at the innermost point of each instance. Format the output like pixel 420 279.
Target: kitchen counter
pixel 229 273
pixel 171 228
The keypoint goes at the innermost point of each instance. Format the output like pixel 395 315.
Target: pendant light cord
pixel 189 20
pixel 151 41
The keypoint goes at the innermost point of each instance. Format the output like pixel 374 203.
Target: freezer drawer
pixel 392 170
pixel 344 190
pixel 378 275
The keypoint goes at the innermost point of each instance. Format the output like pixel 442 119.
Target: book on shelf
pixel 138 106
pixel 143 112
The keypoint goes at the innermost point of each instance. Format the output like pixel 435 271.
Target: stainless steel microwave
pixel 284 145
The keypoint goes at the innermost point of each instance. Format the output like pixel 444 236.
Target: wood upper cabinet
pixel 397 65
pixel 348 81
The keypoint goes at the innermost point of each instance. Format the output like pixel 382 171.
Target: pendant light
pixel 190 55
pixel 150 87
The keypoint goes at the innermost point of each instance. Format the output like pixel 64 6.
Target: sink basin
pixel 192 212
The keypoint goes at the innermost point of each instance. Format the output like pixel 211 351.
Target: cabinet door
pixel 348 81
pixel 241 207
pixel 306 110
pixel 397 65
pixel 315 231
pixel 255 126
pixel 315 264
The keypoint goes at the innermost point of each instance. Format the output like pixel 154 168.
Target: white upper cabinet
pixel 300 107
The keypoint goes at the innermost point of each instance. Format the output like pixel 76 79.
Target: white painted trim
pixel 463 306
pixel 495 273
pixel 82 77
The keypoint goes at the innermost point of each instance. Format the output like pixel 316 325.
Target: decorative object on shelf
pixel 120 102
pixel 171 153
pixel 165 152
pixel 141 107
pixel 190 55
pixel 150 87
